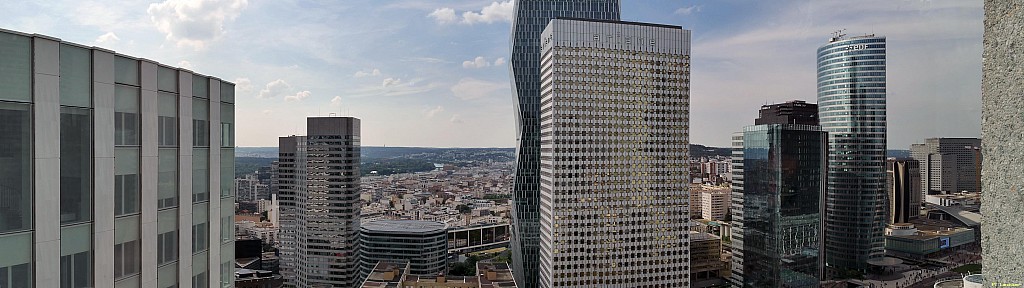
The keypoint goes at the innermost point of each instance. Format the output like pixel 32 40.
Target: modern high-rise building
pixel 792 112
pixel 736 210
pixel 851 108
pixel 781 186
pixel 107 165
pixel 614 167
pixel 903 185
pixel 531 16
pixel 783 182
pixel 780 232
pixel 318 186
pixel 948 164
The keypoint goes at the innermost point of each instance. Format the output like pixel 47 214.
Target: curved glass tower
pixel 531 16
pixel 851 108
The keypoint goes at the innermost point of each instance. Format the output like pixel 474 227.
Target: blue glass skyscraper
pixel 531 16
pixel 851 108
pixel 780 188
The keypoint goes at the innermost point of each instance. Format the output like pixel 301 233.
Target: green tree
pixel 467 268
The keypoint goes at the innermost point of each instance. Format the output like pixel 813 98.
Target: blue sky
pixel 435 73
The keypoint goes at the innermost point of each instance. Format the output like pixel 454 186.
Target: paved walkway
pixel 916 277
pixel 904 278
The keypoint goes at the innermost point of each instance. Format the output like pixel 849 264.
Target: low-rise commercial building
pixel 424 244
pixel 922 237
pixel 395 274
pixel 705 257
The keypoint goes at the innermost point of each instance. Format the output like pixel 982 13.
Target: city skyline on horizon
pixel 439 78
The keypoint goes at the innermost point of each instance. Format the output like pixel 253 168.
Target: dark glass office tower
pixel 783 182
pixel 531 16
pixel 792 112
pixel 904 188
pixel 851 108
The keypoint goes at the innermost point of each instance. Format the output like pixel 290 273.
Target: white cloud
pixel 185 64
pixel 194 23
pixel 336 101
pixel 243 86
pixel 456 119
pixel 394 87
pixel 297 97
pixel 422 59
pixel 433 111
pixel 444 15
pixel 688 10
pixel 481 62
pixel 103 15
pixel 107 38
pixel 374 72
pixel 496 12
pixel 470 88
pixel 273 89
pixel 390 82
pixel 478 62
pixel 267 112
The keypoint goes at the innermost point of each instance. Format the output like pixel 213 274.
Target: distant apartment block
pixel 714 203
pixel 715 168
pixel 614 165
pixel 250 189
pixel 949 164
pixel 318 186
pixel 695 209
pixel 114 171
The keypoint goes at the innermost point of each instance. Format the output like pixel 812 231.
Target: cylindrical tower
pixel 851 108
pixel 423 243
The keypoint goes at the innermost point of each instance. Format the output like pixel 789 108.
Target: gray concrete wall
pixel 1003 143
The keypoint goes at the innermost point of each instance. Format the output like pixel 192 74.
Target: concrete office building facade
pixel 851 108
pixel 948 164
pixel 736 210
pixel 114 171
pixel 318 187
pixel 614 154
pixel 531 16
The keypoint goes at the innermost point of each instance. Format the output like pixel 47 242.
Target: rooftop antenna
pixel 838 34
